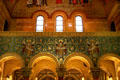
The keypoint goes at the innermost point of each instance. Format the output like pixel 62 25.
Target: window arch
pixel 6 25
pixel 113 27
pixel 40 24
pixel 79 24
pixel 59 24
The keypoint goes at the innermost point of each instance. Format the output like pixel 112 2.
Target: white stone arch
pixel 10 55
pixel 81 55
pixel 79 60
pixel 9 62
pixel 43 60
pixel 107 56
pixel 109 63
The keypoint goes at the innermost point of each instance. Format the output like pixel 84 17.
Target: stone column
pixel 26 72
pixel 96 73
pixel 102 75
pixel 61 71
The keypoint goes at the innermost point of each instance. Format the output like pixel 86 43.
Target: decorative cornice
pixel 59 34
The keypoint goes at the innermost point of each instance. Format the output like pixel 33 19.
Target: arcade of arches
pixel 45 66
pixel 59 40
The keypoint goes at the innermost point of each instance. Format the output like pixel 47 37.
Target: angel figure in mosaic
pixel 93 50
pixel 61 49
pixel 28 47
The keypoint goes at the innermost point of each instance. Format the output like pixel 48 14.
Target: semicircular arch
pixel 37 57
pixel 109 56
pixel 48 76
pixel 8 56
pixel 73 16
pixel 78 12
pixel 40 12
pixel 80 56
pixel 41 61
pixel 72 76
pixel 61 13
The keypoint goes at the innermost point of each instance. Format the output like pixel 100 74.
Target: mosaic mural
pixel 60 46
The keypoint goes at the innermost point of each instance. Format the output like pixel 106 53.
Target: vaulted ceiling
pixel 18 8
pixel 10 4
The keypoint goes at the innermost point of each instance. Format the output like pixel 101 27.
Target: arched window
pixel 113 27
pixel 59 24
pixel 6 25
pixel 79 24
pixel 40 24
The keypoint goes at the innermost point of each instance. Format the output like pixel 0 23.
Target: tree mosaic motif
pixel 28 47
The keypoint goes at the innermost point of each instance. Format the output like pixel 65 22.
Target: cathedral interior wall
pixel 95 17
